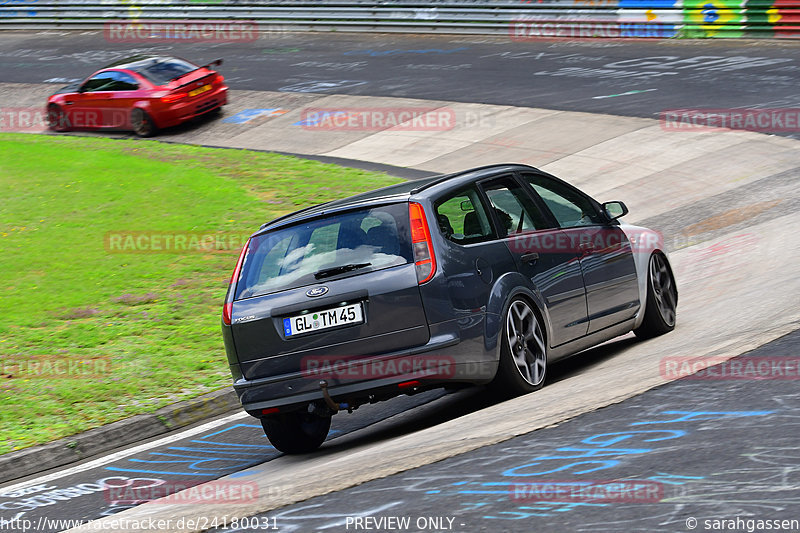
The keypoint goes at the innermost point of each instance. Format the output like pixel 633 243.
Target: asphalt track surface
pixel 640 78
pixel 635 79
pixel 184 459
pixel 689 453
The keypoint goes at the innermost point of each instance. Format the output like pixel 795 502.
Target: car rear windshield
pixel 345 243
pixel 161 71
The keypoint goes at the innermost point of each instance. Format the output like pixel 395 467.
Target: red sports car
pixel 141 93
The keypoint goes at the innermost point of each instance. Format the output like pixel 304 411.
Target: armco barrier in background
pixel 166 20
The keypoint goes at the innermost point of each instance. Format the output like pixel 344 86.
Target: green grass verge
pixel 89 335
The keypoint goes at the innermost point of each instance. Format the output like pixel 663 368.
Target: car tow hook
pixel 333 406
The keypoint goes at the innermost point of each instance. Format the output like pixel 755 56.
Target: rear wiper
pixel 328 272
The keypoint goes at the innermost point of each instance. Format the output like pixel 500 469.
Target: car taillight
pixel 219 79
pixel 172 98
pixel 227 308
pixel 424 258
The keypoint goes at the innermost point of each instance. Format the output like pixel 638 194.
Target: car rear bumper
pixel 444 359
pixel 180 113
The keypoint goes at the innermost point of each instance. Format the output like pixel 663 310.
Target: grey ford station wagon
pixel 479 277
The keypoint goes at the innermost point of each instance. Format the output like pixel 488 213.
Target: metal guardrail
pixel 522 20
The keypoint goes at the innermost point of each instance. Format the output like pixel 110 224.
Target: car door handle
pixel 586 246
pixel 530 258
pixel 68 103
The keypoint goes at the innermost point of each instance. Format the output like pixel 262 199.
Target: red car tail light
pixel 227 308
pixel 219 79
pixel 174 97
pixel 424 257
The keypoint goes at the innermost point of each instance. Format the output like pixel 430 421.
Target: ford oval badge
pixel 316 291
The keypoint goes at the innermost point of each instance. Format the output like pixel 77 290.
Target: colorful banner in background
pixel 523 19
pixel 650 18
pixel 713 18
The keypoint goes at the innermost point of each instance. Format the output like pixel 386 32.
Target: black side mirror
pixel 615 210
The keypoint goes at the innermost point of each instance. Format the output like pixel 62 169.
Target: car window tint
pixel 513 207
pixel 161 71
pixel 569 207
pixel 462 217
pixel 101 82
pixel 289 257
pixel 124 82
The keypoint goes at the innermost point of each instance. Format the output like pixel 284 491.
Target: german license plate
pixel 200 90
pixel 324 319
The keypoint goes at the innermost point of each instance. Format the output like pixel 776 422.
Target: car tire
pixel 662 299
pixel 142 124
pixel 57 120
pixel 523 351
pixel 296 432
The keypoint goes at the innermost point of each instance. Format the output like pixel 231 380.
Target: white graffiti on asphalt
pixel 31 498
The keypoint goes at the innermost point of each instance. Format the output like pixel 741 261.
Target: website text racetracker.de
pixel 779 120
pixel 344 368
pixel 200 523
pixel 379 118
pixel 121 242
pixel 641 240
pixel 187 31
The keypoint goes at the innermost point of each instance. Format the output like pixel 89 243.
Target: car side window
pixel 100 82
pixel 569 207
pixel 110 81
pixel 462 217
pixel 124 82
pixel 513 207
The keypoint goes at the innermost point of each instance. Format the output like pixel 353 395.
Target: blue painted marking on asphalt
pixel 703 415
pixel 235 426
pixel 483 492
pixel 232 444
pixel 247 115
pixel 208 458
pixel 207 450
pixel 169 473
pixel 624 435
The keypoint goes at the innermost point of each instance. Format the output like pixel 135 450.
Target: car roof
pixel 139 62
pixel 396 193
